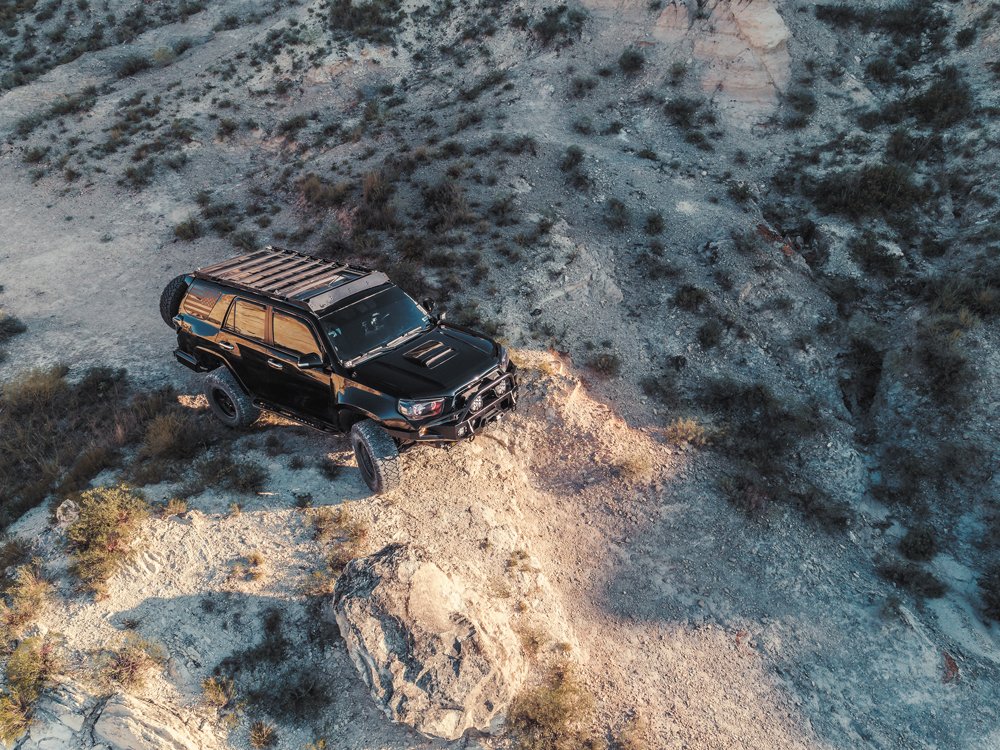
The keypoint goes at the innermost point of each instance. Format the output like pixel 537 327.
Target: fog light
pixel 477 403
pixel 461 430
pixel 501 388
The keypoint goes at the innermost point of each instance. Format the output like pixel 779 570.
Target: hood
pixel 436 363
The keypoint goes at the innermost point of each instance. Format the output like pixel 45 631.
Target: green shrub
pixel 944 103
pixel 906 575
pixel 631 61
pixel 965 37
pixel 132 65
pixel 559 24
pixel 874 257
pixel 24 598
pixel 918 544
pixel 882 70
pixel 10 327
pixel 616 214
pixel 374 20
pixel 689 297
pixel 654 223
pixel 871 190
pixel 100 540
pixel 606 364
pixel 187 230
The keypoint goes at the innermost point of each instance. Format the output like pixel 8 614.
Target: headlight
pixel 419 409
pixel 504 357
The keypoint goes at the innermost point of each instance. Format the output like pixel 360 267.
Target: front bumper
pixel 465 423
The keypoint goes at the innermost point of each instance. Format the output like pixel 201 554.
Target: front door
pixel 305 391
pixel 243 338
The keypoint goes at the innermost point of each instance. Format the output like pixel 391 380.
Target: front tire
pixel 170 299
pixel 228 401
pixel 377 456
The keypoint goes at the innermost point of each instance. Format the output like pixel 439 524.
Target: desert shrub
pixel 341 526
pixel 802 102
pixel 31 666
pixel 989 586
pixel 631 61
pixel 882 70
pixel 100 540
pixel 689 297
pixel 57 435
pixel 10 327
pixel 873 256
pixel 559 24
pixel 945 102
pixel 572 159
pixel 685 430
pixel 446 206
pixel 374 21
pixel 910 148
pixel 918 544
pixel 616 214
pixel 906 575
pixel 549 717
pixel 606 364
pixel 319 193
pixel 682 111
pixel 218 692
pixel 262 735
pixel 873 189
pixel 223 472
pixel 760 428
pixel 580 86
pixel 946 367
pixel 965 37
pixel 654 223
pixel 132 65
pixel 187 230
pixel 129 665
pixel 15 718
pixel 24 598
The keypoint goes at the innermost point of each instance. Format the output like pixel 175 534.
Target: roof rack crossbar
pixel 308 279
pixel 249 274
pixel 319 283
pixel 271 276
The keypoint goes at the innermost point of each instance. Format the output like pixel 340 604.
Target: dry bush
pixel 549 717
pixel 906 575
pixel 101 538
pixel 686 430
pixel 174 507
pixel 55 436
pixel 24 599
pixel 223 472
pixel 30 668
pixel 635 466
pixel 129 665
pixel 634 735
pixel 218 692
pixel 262 735
pixel 339 525
pixel 321 194
pixel 10 327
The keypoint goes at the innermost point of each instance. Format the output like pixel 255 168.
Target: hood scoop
pixel 430 354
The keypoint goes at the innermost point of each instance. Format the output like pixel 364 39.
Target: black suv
pixel 337 347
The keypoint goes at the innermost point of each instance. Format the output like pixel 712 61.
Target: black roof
pixel 293 277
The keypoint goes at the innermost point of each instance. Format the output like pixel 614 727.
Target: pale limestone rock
pixel 433 653
pixel 128 723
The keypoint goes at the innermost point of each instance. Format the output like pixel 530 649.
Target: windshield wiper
pixel 386 346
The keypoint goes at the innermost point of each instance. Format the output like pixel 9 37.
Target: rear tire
pixel 228 401
pixel 377 456
pixel 170 299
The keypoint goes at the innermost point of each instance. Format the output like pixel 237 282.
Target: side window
pixel 292 334
pixel 200 299
pixel 247 319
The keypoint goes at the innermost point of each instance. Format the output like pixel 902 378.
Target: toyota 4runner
pixel 337 347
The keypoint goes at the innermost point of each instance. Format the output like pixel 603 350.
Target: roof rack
pixel 293 277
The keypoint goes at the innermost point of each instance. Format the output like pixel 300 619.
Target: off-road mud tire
pixel 170 299
pixel 228 401
pixel 377 455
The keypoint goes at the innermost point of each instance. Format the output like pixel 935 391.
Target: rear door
pixel 243 338
pixel 308 392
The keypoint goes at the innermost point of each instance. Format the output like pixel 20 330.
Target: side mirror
pixel 441 316
pixel 310 362
pixel 428 305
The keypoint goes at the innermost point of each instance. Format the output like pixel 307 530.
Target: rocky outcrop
pixel 433 654
pixel 68 718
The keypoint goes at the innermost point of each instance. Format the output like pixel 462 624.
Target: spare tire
pixel 170 300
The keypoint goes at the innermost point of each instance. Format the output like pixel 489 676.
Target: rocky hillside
pixel 746 252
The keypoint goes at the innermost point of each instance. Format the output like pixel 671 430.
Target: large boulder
pixel 433 654
pixel 128 723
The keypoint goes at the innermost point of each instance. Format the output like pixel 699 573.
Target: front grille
pixel 485 392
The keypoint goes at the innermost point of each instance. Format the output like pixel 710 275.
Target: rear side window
pixel 200 299
pixel 247 319
pixel 293 334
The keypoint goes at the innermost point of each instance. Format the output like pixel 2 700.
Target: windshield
pixel 373 322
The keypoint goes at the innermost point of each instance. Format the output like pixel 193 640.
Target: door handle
pixel 226 345
pixel 275 364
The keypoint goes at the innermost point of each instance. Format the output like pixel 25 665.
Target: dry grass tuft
pixel 262 735
pixel 129 666
pixel 24 599
pixel 687 431
pixel 549 717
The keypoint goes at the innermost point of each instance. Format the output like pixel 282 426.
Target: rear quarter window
pixel 200 299
pixel 247 319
